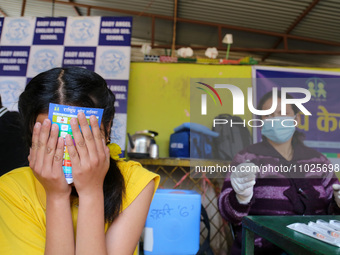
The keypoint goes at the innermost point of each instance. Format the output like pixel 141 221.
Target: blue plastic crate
pixel 173 223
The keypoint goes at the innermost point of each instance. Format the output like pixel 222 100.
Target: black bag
pixel 205 248
pixel 191 140
pixel 186 144
pixel 231 139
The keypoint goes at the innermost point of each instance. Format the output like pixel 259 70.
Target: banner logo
pixel 316 87
pixel 10 91
pixel 112 62
pixel 17 30
pixel 44 60
pixel 204 97
pixel 82 30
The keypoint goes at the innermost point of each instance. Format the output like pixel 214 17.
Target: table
pixel 274 229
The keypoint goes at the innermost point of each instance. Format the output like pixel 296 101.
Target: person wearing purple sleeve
pixel 268 180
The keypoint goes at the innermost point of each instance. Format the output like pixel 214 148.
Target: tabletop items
pixel 275 230
pixel 328 232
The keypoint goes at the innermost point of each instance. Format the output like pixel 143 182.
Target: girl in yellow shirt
pixel 105 211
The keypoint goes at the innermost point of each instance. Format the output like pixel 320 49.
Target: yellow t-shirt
pixel 23 207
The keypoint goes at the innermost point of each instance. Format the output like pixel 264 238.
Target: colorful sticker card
pixel 61 115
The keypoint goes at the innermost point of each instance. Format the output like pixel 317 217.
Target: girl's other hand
pixel 90 157
pixel 46 158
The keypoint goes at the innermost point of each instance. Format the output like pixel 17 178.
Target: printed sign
pixel 31 45
pixel 321 128
pixel 61 115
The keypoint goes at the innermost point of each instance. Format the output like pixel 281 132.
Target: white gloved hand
pixel 243 181
pixel 336 193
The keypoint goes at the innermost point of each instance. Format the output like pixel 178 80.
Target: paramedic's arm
pixel 229 205
pixel 331 185
pixel 230 208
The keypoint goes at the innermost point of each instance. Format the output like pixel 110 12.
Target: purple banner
pixel 49 31
pixel 322 128
pixel 115 31
pixel 32 45
pixel 1 25
pixel 80 56
pixel 13 60
pixel 119 88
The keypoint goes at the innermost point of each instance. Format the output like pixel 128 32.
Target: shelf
pixel 183 162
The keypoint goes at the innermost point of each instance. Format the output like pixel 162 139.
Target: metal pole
pixel 23 6
pixel 53 4
pixel 173 47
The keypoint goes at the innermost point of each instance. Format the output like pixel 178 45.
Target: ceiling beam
pixel 153 32
pixel 76 9
pixel 173 46
pixel 23 7
pixel 291 27
pixel 3 13
pixel 110 9
pixel 88 11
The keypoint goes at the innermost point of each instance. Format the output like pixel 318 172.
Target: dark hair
pixel 298 137
pixel 0 101
pixel 78 87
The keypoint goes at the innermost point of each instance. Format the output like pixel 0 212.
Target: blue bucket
pixel 173 223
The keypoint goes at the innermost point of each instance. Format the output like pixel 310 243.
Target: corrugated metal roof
pixel 162 7
pixel 266 15
pixel 322 22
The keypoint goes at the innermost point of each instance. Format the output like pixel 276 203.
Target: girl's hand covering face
pixel 46 158
pixel 90 157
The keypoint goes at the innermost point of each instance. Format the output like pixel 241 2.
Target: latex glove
pixel 243 181
pixel 336 193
